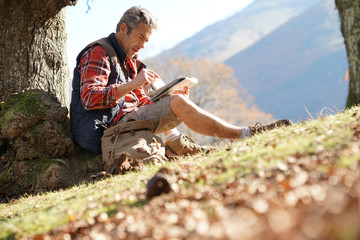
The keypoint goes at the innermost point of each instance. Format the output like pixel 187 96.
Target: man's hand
pixel 157 83
pixel 145 77
pixel 185 91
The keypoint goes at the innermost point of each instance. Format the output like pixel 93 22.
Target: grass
pixel 26 102
pixel 32 215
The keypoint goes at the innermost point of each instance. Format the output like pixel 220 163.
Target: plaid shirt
pixel 94 69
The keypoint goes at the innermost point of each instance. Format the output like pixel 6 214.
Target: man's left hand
pixel 185 91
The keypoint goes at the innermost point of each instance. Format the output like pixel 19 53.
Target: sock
pixel 173 136
pixel 245 132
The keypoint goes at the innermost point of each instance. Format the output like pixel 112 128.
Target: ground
pixel 298 182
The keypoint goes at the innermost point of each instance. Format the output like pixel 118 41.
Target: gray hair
pixel 136 15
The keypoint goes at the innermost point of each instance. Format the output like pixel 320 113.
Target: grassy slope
pixel 293 170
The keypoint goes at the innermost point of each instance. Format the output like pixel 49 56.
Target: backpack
pixel 135 138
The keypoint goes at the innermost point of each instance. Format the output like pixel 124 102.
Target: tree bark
pixel 33 47
pixel 349 11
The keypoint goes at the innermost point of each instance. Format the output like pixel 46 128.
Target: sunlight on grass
pixel 29 215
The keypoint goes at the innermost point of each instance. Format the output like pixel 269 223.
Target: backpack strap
pixel 104 43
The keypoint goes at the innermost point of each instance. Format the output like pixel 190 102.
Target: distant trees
pixel 349 11
pixel 218 91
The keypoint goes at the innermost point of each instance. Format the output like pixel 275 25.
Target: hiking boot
pixel 258 128
pixel 182 146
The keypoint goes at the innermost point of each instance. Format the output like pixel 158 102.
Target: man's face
pixel 132 42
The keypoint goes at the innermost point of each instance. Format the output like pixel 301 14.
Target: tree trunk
pixel 33 47
pixel 349 11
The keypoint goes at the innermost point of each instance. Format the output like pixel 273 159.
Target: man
pixel 108 84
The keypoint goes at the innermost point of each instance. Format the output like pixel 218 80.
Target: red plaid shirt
pixel 95 70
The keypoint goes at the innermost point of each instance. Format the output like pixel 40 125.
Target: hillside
pixel 300 64
pixel 299 182
pixel 229 36
pixel 282 52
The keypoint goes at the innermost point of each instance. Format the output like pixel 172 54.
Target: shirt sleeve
pixel 94 75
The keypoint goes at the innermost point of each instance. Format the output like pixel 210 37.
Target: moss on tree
pixel 37 150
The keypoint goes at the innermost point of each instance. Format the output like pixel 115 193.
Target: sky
pixel 177 21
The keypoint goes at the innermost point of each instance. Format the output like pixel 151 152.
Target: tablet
pixel 178 84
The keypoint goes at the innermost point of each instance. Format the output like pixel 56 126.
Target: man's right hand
pixel 144 77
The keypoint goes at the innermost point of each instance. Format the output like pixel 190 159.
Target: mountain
pixel 288 54
pixel 228 37
pixel 300 64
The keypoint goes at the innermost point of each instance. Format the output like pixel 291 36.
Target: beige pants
pixel 160 114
